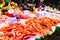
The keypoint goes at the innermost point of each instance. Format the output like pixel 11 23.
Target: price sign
pixel 12 20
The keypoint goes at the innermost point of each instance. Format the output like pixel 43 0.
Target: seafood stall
pixel 41 24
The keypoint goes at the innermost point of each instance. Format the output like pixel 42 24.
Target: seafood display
pixel 18 23
pixel 32 26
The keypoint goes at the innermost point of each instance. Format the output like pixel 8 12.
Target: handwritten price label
pixel 12 20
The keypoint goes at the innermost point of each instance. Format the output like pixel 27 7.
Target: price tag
pixel 37 15
pixel 12 20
